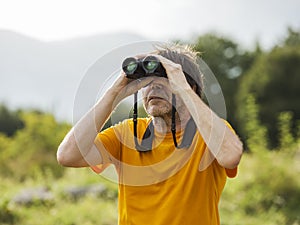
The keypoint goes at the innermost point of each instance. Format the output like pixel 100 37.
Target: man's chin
pixel 158 112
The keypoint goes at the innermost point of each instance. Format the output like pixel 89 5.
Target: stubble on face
pixel 157 100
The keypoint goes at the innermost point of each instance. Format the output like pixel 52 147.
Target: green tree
pixel 274 81
pixel 292 39
pixel 33 149
pixel 10 121
pixel 256 138
pixel 286 138
pixel 228 62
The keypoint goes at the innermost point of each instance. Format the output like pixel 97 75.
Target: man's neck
pixel 163 124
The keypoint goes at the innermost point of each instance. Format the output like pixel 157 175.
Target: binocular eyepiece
pixel 138 68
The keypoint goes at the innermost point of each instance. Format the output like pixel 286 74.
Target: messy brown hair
pixel 187 58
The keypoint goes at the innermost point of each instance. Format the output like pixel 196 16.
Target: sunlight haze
pixel 246 21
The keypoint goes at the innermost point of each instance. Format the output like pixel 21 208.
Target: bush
pixel 32 148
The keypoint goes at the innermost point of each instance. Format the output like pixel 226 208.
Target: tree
pixel 32 149
pixel 274 81
pixel 10 121
pixel 292 39
pixel 228 62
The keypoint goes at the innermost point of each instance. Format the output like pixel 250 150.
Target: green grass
pixel 62 210
pixel 266 191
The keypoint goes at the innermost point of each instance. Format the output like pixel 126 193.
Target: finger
pixel 163 60
pixel 137 84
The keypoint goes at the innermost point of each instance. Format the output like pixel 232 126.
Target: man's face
pixel 157 97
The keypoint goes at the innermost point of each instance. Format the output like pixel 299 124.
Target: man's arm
pixel 220 139
pixel 223 143
pixel 78 149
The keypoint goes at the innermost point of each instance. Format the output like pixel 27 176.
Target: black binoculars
pixel 138 68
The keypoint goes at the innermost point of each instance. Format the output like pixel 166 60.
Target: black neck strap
pixel 146 144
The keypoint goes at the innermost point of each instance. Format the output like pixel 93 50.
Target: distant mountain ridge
pixel 46 75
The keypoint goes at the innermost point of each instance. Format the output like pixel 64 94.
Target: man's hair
pixel 187 58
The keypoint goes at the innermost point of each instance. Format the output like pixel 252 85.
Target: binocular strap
pixel 146 144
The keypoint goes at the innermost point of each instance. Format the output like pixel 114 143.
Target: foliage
pixel 7 216
pixel 228 62
pixel 10 121
pixel 33 148
pixel 286 139
pixel 256 138
pixel 292 39
pixel 267 190
pixel 62 210
pixel 274 81
pixel 272 77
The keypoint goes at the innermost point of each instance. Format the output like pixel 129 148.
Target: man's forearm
pixel 77 149
pixel 223 143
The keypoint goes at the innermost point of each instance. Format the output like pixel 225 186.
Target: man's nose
pixel 155 85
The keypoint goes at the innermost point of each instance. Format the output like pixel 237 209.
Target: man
pixel 158 182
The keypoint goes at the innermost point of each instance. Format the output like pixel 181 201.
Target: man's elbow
pixel 234 162
pixel 63 155
pixel 233 159
pixel 62 159
pixel 69 155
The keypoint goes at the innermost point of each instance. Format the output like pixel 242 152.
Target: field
pixel 266 191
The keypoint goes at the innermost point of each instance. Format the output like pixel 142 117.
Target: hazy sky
pixel 244 20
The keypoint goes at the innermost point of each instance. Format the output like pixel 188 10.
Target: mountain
pixel 47 75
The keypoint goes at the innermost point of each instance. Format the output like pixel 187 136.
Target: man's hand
pixel 124 87
pixel 175 75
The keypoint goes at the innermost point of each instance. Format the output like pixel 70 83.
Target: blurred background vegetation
pixel 261 90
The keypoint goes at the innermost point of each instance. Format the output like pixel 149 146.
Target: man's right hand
pixel 124 87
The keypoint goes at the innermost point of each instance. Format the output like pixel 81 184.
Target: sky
pixel 243 20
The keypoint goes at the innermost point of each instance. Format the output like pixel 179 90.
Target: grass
pixel 62 210
pixel 266 191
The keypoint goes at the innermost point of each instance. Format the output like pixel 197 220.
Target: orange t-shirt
pixel 165 185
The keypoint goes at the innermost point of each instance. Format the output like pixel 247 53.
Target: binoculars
pixel 138 68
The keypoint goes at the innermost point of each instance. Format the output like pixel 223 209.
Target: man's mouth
pixel 155 98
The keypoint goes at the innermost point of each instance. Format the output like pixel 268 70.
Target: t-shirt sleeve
pixel 231 173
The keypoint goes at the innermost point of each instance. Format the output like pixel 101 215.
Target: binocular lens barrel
pixel 137 68
pixel 130 65
pixel 150 64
